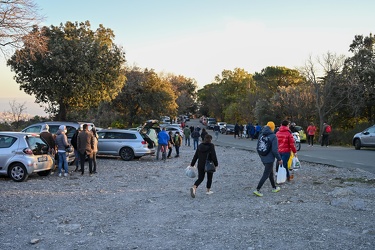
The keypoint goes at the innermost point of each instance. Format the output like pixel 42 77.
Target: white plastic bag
pixel 281 175
pixel 296 163
pixel 190 172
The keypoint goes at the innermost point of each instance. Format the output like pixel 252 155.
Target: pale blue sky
pixel 199 39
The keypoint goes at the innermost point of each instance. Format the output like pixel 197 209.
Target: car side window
pixel 33 129
pixel 7 141
pixel 101 135
pixel 371 130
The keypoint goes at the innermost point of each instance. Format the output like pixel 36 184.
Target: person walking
pixel 205 150
pixel 217 131
pixel 163 139
pixel 236 131
pixel 170 144
pixel 203 133
pixel 177 143
pixel 95 149
pixel 85 144
pixel 311 129
pixel 73 141
pixel 187 134
pixel 325 134
pixel 286 145
pixel 258 129
pixel 62 143
pixel 195 135
pixel 269 159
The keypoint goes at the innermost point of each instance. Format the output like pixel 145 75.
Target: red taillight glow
pixel 144 142
pixel 28 151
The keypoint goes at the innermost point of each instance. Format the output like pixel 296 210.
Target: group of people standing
pixel 84 142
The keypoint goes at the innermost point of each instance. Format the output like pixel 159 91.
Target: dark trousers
pixel 169 151
pixel 267 174
pixel 94 161
pixel 325 140
pixel 310 139
pixel 201 174
pixel 82 160
pixel 177 150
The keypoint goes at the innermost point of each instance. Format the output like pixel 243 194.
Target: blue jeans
pixel 285 157
pixel 196 142
pixel 187 140
pixel 62 160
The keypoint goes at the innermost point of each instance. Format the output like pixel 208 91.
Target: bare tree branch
pixel 17 19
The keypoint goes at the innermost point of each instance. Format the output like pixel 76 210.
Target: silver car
pixel 128 144
pixel 366 138
pixel 22 154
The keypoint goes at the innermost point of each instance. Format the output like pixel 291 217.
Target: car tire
pixel 17 172
pixel 357 144
pixel 127 154
pixel 44 173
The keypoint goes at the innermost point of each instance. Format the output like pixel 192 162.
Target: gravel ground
pixel 146 204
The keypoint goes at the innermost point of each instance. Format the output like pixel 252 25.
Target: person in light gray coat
pixel 62 143
pixel 269 159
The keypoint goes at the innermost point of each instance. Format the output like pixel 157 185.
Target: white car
pixel 222 125
pixel 174 129
pixel 22 154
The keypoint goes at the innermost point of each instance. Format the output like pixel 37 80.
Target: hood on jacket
pixel 204 147
pixel 266 130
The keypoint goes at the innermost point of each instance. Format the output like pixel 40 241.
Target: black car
pixel 228 129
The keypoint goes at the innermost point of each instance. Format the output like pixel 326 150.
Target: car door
pixel 368 137
pixel 6 151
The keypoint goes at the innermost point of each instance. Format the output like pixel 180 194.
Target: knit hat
pixel 62 127
pixel 271 125
pixel 45 127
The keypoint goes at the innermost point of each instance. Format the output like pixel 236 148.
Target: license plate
pixel 43 158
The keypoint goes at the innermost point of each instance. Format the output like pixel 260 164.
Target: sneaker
pixel 192 192
pixel 209 192
pixel 60 175
pixel 275 190
pixel 257 193
pixel 66 174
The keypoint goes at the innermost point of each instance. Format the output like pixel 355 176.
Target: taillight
pixel 27 151
pixel 144 142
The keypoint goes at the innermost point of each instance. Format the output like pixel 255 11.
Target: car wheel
pixel 357 144
pixel 44 173
pixel 127 154
pixel 298 146
pixel 18 172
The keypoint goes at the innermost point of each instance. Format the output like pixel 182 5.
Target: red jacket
pixel 285 140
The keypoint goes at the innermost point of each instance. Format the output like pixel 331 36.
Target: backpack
pixel 328 129
pixel 264 145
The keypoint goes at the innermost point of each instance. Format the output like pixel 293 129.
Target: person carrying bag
pixel 201 155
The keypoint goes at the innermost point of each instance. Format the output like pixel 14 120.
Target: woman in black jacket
pixel 204 149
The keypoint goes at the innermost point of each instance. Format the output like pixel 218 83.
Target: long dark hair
pixel 207 138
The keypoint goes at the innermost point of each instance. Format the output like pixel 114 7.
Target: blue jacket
pixel 274 153
pixel 163 137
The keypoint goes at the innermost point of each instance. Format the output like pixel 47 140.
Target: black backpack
pixel 264 145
